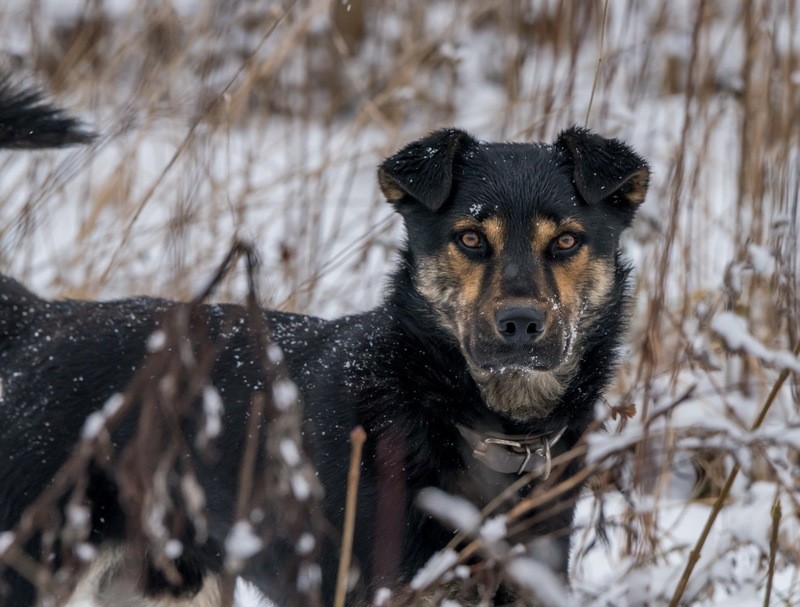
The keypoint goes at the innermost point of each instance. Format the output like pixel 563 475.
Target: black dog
pixel 498 334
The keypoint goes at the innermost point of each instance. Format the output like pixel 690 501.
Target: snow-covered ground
pixel 708 92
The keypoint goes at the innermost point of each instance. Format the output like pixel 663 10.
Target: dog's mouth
pixel 523 384
pixel 487 358
pixel 523 390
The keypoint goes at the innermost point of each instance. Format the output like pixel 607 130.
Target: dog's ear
pixel 423 170
pixel 605 167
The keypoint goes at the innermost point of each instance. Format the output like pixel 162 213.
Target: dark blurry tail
pixel 28 122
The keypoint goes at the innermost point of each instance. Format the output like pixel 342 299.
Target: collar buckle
pixel 513 454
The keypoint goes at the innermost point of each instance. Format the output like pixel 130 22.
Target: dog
pixel 499 331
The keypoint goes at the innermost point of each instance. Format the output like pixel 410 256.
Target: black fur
pixel 395 370
pixel 28 122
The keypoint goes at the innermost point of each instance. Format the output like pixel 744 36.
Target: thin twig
pixel 357 439
pixel 773 545
pixel 694 555
pixel 528 504
pixel 188 139
pixel 599 63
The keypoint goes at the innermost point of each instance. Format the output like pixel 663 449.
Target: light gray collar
pixel 512 454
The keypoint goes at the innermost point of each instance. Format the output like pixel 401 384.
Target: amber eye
pixel 470 239
pixel 566 241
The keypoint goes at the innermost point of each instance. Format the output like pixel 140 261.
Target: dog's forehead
pixel 516 181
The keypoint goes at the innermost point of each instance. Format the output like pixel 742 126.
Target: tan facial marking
pixel 496 233
pixel 570 275
pixel 467 272
pixel 544 230
pixel 452 281
pixel 472 273
pixel 601 273
pixel 492 228
pixel 584 278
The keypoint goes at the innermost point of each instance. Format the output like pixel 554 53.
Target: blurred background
pixel 265 121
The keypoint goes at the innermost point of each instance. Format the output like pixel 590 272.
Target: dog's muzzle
pixel 513 454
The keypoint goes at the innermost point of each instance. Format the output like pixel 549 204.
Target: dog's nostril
pixel 519 325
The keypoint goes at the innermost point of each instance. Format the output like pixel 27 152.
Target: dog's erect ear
pixel 28 122
pixel 423 170
pixel 605 167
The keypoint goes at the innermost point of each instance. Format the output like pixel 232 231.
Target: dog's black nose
pixel 519 326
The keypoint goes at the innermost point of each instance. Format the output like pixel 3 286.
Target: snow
pixel 540 581
pixel 761 260
pixel 602 445
pixel 274 353
pixel 312 176
pixel 93 425
pixel 284 394
pixel 613 581
pixel 300 486
pixel 494 529
pixel 213 409
pixel 85 552
pixel 242 542
pixel 290 452
pixel 173 548
pixel 733 329
pixel 439 564
pixel 156 341
pixel 453 510
pixel 96 421
pixel 309 577
pixel 6 539
pixel 305 544
pixel 113 404
pixel 382 597
pixel 78 515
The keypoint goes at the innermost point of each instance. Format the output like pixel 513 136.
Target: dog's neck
pixel 513 454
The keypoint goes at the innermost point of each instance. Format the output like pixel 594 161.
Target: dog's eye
pixel 565 243
pixel 470 239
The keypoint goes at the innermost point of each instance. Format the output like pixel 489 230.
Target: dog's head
pixel 514 244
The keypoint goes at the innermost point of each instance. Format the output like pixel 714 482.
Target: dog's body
pixel 502 318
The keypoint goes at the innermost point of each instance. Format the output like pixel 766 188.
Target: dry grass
pixel 265 122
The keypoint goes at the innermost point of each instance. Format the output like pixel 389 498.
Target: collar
pixel 512 454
